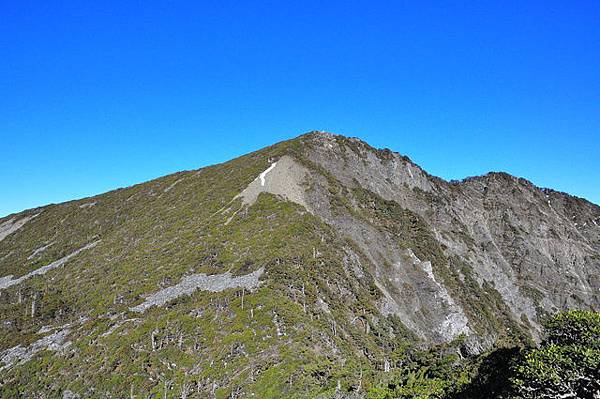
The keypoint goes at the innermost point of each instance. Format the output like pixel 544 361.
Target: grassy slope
pixel 150 239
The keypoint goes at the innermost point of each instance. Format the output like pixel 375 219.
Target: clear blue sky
pixel 99 96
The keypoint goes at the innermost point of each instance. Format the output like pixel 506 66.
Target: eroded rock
pixel 202 282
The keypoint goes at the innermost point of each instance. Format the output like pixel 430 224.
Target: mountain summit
pixel 310 268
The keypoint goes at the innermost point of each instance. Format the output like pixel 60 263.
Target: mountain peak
pixel 320 251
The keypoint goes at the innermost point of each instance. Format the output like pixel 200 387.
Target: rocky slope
pixel 314 267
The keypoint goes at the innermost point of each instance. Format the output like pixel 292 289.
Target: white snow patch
pixel 8 281
pixel 203 282
pixel 12 225
pixel 264 174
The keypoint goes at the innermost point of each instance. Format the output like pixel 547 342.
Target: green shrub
pixel 567 364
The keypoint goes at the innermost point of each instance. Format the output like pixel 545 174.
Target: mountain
pixel 315 267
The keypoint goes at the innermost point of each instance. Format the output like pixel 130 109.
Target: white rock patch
pixel 456 321
pixel 117 325
pixel 88 204
pixel 19 355
pixel 172 185
pixel 8 281
pixel 39 251
pixel 12 225
pixel 203 282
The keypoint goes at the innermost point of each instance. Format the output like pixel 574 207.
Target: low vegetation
pixel 310 329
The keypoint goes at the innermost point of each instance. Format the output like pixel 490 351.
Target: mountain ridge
pixel 451 181
pixel 295 270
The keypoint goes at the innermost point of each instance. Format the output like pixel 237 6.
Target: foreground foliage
pixel 567 364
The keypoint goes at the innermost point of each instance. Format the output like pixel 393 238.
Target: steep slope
pixel 537 249
pixel 313 267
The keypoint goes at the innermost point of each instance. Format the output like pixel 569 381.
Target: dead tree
pixel 153 339
pixel 34 304
pixel 303 298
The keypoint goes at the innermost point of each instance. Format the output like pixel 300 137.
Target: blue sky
pixel 99 96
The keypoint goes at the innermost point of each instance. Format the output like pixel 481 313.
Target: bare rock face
pixel 282 178
pixel 539 250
